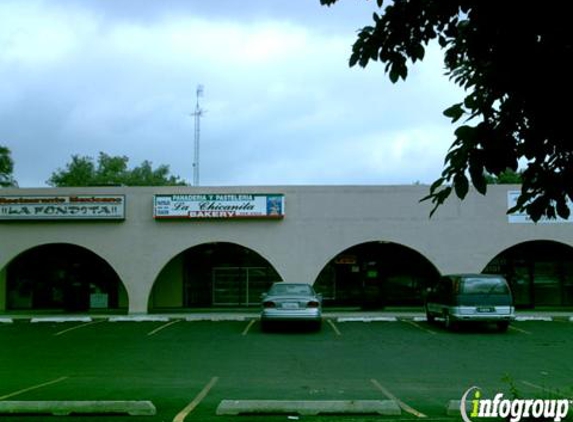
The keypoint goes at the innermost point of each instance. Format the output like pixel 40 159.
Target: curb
pixel 139 318
pixel 65 408
pixel 61 319
pixel 305 407
pixel 534 318
pixel 366 319
pixel 335 316
pixel 195 318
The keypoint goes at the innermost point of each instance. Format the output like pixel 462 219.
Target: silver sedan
pixel 291 302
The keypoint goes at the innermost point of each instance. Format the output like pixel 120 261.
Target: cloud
pixel 281 104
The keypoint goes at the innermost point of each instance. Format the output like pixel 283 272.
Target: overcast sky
pixel 281 104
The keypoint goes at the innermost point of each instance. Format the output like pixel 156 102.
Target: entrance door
pixel 240 286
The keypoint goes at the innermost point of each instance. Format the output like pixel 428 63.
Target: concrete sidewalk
pixel 341 315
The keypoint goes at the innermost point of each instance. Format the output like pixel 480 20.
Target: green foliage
pixel 513 59
pixel 111 171
pixel 6 168
pixel 508 177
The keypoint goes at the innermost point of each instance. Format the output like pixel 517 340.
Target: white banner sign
pixel 266 206
pixel 522 217
pixel 62 207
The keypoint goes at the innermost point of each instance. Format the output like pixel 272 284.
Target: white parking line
pixel 34 387
pixel 520 330
pixel 180 417
pixel 77 327
pixel 399 402
pixel 334 327
pixel 248 327
pixel 544 389
pixel 158 329
pixel 418 326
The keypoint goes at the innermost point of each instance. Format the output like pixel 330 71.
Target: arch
pixel 375 274
pixel 540 272
pixel 62 277
pixel 212 274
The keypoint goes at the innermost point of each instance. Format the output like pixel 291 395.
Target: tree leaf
pixel 461 185
pixel 454 112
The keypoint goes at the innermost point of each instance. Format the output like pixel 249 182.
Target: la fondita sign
pixel 219 206
pixel 62 207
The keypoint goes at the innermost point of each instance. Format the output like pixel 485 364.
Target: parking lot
pixel 187 368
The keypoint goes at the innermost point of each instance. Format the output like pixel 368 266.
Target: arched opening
pixel 218 274
pixel 539 272
pixel 63 277
pixel 376 274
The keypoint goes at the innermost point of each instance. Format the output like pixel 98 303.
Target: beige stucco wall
pixel 320 222
pixel 169 285
pixel 2 288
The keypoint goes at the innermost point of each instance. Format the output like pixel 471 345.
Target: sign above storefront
pixel 62 207
pixel 219 206
pixel 522 217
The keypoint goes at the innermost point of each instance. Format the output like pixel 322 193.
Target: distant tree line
pixel 6 168
pixel 112 171
pixel 106 171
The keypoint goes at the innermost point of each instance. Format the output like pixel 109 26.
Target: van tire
pixel 448 323
pixel 502 326
pixel 429 317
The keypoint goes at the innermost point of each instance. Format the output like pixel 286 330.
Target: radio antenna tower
pixel 198 113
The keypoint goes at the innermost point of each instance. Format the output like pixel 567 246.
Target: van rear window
pixel 484 286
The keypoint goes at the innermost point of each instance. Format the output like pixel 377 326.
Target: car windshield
pixel 484 286
pixel 291 290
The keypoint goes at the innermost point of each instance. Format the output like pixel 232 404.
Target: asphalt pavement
pixel 188 367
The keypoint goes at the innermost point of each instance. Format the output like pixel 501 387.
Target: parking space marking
pixel 77 327
pixel 180 417
pixel 334 327
pixel 34 387
pixel 520 330
pixel 418 326
pixel 399 402
pixel 248 327
pixel 544 389
pixel 164 326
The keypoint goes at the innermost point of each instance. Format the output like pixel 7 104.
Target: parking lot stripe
pixel 399 402
pixel 180 417
pixel 418 326
pixel 34 387
pixel 248 327
pixel 520 330
pixel 334 327
pixel 77 327
pixel 544 389
pixel 158 329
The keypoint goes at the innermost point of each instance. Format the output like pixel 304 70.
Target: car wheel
pixel 502 326
pixel 264 326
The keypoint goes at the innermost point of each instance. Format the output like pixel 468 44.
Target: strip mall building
pixel 144 250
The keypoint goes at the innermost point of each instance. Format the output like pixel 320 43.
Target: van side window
pixel 444 287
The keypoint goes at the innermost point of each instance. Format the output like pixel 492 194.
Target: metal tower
pixel 198 113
